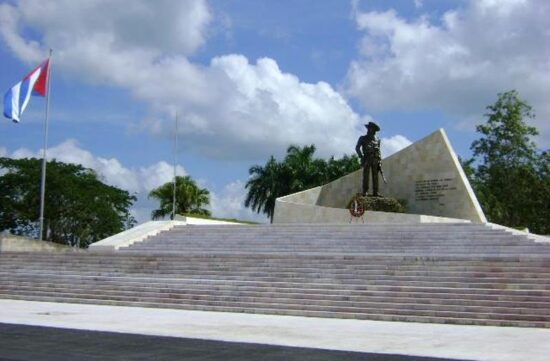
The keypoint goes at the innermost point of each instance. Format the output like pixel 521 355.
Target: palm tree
pixel 189 198
pixel 299 171
pixel 304 171
pixel 264 187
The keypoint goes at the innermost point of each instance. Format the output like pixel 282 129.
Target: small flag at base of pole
pixel 17 98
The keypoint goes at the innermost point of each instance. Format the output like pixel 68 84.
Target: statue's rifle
pixel 382 172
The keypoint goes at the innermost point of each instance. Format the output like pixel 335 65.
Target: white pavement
pixel 434 340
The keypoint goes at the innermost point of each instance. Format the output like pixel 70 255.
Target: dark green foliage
pixel 468 167
pixel 512 177
pixel 79 208
pixel 265 186
pixel 189 198
pixel 297 172
pixel 380 204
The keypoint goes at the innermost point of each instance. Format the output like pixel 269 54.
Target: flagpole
pixel 43 181
pixel 175 163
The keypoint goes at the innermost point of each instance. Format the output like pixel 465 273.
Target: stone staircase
pixel 442 273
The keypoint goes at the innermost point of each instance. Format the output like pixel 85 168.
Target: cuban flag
pixel 17 98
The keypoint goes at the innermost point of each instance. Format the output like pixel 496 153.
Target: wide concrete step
pixel 542 277
pixel 336 243
pixel 324 274
pixel 220 261
pixel 370 265
pixel 342 229
pixel 317 235
pixel 487 282
pixel 542 259
pixel 429 238
pixel 356 236
pixel 338 253
pixel 318 296
pixel 391 308
pixel 337 250
pixel 320 311
pixel 386 261
pixel 452 273
pixel 372 316
pixel 430 282
pixel 371 237
pixel 355 260
pixel 342 246
pixel 540 314
pixel 391 225
pixel 281 287
pixel 481 237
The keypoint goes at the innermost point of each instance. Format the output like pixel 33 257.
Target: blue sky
pixel 249 78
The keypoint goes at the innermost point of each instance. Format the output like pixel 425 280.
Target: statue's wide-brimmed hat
pixel 372 125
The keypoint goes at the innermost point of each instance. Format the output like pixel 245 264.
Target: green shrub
pixel 381 204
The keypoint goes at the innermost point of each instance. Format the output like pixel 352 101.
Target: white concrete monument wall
pixel 427 174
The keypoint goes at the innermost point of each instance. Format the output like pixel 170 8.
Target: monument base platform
pixel 306 213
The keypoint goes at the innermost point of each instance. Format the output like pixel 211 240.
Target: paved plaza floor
pixel 57 344
pixel 45 331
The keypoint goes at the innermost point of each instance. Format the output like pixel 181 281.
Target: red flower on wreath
pixel 356 208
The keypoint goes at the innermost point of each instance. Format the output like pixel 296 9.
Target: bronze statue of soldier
pixel 368 150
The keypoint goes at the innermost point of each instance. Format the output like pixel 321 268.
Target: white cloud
pixel 28 50
pixel 24 153
pixel 159 173
pixel 110 170
pixel 393 144
pixel 457 65
pixel 229 203
pixel 265 110
pixel 228 108
pixel 160 27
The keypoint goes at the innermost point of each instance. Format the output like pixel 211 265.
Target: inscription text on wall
pixel 433 189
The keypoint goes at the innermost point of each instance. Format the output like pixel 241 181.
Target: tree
pixel 297 172
pixel 337 168
pixel 468 168
pixel 189 198
pixel 511 179
pixel 79 208
pixel 265 186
